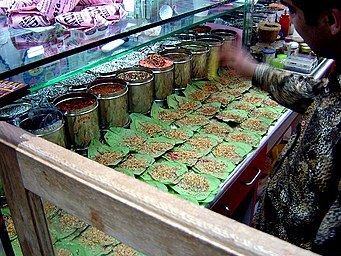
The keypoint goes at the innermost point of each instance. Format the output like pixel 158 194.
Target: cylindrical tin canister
pixel 10 112
pixel 201 29
pixel 189 36
pixel 200 52
pixel 164 82
pixel 229 36
pixel 171 43
pixel 112 95
pixel 47 123
pixel 80 111
pixel 182 66
pixel 79 83
pixel 140 88
pixel 215 43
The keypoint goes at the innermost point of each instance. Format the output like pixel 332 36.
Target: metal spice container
pixel 182 66
pixel 9 113
pixel 215 43
pixel 112 95
pixel 163 70
pixel 200 52
pixel 229 36
pixel 80 111
pixel 47 123
pixel 140 83
pixel 79 83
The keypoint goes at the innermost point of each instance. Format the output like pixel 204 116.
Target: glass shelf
pixel 55 51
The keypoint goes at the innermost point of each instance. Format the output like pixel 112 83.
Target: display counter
pixel 146 218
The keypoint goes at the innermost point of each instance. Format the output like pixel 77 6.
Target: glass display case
pixel 42 57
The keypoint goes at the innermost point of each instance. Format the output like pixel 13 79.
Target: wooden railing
pixel 151 221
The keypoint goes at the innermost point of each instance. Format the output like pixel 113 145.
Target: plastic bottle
pixel 284 20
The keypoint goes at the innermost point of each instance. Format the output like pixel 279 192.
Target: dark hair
pixel 312 9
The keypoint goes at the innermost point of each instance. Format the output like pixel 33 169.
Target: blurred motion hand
pixel 239 60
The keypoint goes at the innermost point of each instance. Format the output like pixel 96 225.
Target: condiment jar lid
pixel 282 56
pixel 268 51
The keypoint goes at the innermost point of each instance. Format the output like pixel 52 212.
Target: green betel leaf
pixel 188 198
pixel 167 172
pixel 266 112
pixel 185 155
pixel 196 186
pixel 217 128
pixel 126 171
pixel 203 142
pixel 241 85
pixel 136 163
pixel 157 184
pixel 241 105
pixel 208 86
pixel 245 136
pixel 221 97
pixel 106 155
pixel 194 93
pixel 254 98
pixel 182 104
pixel 215 166
pixel 232 151
pixel 179 135
pixel 260 125
pixel 208 109
pixel 232 115
pixel 118 136
pixel 167 116
pixel 193 122
pixel 146 125
pixel 156 147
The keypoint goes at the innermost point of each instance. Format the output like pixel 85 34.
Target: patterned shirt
pixel 301 202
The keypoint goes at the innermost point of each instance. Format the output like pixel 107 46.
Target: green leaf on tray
pixel 118 136
pixel 157 184
pixel 136 163
pixel 126 171
pixel 245 136
pixel 217 128
pixel 188 198
pixel 182 104
pixel 179 135
pixel 145 125
pixel 165 115
pixel 260 125
pixel 244 86
pixel 232 115
pixel 232 151
pixel 208 86
pixel 194 93
pixel 106 155
pixel 266 112
pixel 215 166
pixel 221 97
pixel 193 122
pixel 185 155
pixel 241 105
pixel 203 142
pixel 208 109
pixel 167 172
pixel 197 186
pixel 156 147
pixel 254 98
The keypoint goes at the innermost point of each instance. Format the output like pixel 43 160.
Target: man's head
pixel 319 24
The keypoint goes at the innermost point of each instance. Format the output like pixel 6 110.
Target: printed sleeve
pixel 293 91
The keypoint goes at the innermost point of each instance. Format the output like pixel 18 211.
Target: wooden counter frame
pixel 141 216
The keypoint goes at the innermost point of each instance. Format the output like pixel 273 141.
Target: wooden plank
pixel 20 201
pixel 150 220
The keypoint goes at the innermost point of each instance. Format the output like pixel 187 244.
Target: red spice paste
pixel 73 104
pixel 106 88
